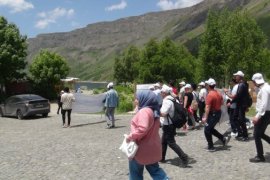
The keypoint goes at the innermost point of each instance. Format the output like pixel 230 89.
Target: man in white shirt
pixel 66 99
pixel 262 119
pixel 169 130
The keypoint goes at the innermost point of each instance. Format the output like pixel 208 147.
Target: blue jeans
pixel 136 171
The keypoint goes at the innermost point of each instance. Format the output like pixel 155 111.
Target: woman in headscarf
pixel 145 132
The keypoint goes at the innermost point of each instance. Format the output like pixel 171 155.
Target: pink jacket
pixel 145 132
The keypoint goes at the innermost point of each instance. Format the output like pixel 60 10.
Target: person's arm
pixel 143 124
pixel 262 106
pixel 207 110
pixel 164 110
pixel 185 101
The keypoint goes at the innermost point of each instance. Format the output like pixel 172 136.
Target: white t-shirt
pixel 167 108
pixel 234 92
pixel 202 95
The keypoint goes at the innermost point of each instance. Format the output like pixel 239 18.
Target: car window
pixel 12 100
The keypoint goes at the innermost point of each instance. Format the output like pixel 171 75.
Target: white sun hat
pixel 239 73
pixel 258 78
pixel 210 82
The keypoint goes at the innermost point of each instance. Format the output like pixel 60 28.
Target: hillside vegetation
pixel 91 51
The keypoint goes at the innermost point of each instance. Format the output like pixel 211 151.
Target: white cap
pixel 239 73
pixel 110 85
pixel 258 78
pixel 166 89
pixel 187 86
pixel 201 84
pixel 182 83
pixel 151 87
pixel 157 85
pixel 210 82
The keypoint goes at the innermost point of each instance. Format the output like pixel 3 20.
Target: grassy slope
pixel 101 68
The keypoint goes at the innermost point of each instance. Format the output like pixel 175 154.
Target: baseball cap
pixel 110 85
pixel 201 84
pixel 210 82
pixel 258 78
pixel 239 73
pixel 182 83
pixel 166 89
pixel 187 86
pixel 157 85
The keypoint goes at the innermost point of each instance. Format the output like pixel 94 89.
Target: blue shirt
pixel 111 98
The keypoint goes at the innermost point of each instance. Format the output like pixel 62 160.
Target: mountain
pixel 90 51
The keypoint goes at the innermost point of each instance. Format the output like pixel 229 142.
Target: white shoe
pixel 233 134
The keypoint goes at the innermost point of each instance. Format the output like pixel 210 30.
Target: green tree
pixel 12 52
pixel 125 67
pixel 232 41
pixel 164 61
pixel 46 71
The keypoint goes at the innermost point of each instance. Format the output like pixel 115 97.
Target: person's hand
pixel 204 119
pixel 255 120
pixel 127 138
pixel 228 104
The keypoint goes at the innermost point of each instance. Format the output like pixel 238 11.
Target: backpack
pixel 180 115
pixel 195 102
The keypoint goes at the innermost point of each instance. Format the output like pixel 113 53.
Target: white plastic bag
pixel 129 148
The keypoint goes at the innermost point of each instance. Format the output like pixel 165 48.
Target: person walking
pixel 213 103
pixel 110 103
pixel 202 98
pixel 59 103
pixel 241 100
pixel 232 106
pixel 169 130
pixel 145 132
pixel 66 99
pixel 262 119
pixel 188 98
pixel 181 91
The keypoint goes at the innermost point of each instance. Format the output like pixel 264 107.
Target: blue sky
pixel 35 17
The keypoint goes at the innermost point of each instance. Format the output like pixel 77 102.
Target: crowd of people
pixel 156 106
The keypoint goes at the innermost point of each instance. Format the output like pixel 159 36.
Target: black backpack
pixel 180 115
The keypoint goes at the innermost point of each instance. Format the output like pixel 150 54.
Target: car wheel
pixel 1 113
pixel 45 115
pixel 19 114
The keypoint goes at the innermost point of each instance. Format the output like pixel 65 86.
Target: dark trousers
pixel 232 120
pixel 64 115
pixel 201 109
pixel 59 107
pixel 240 120
pixel 169 132
pixel 259 133
pixel 209 129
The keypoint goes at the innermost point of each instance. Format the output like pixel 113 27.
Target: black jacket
pixel 241 97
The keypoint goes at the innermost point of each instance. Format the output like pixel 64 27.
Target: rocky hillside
pixel 90 51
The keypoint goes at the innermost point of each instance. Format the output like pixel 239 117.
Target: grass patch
pixel 251 112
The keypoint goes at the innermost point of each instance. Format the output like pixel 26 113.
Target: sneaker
pixel 234 134
pixel 257 159
pixel 244 139
pixel 185 162
pixel 225 141
pixel 162 161
pixel 211 149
